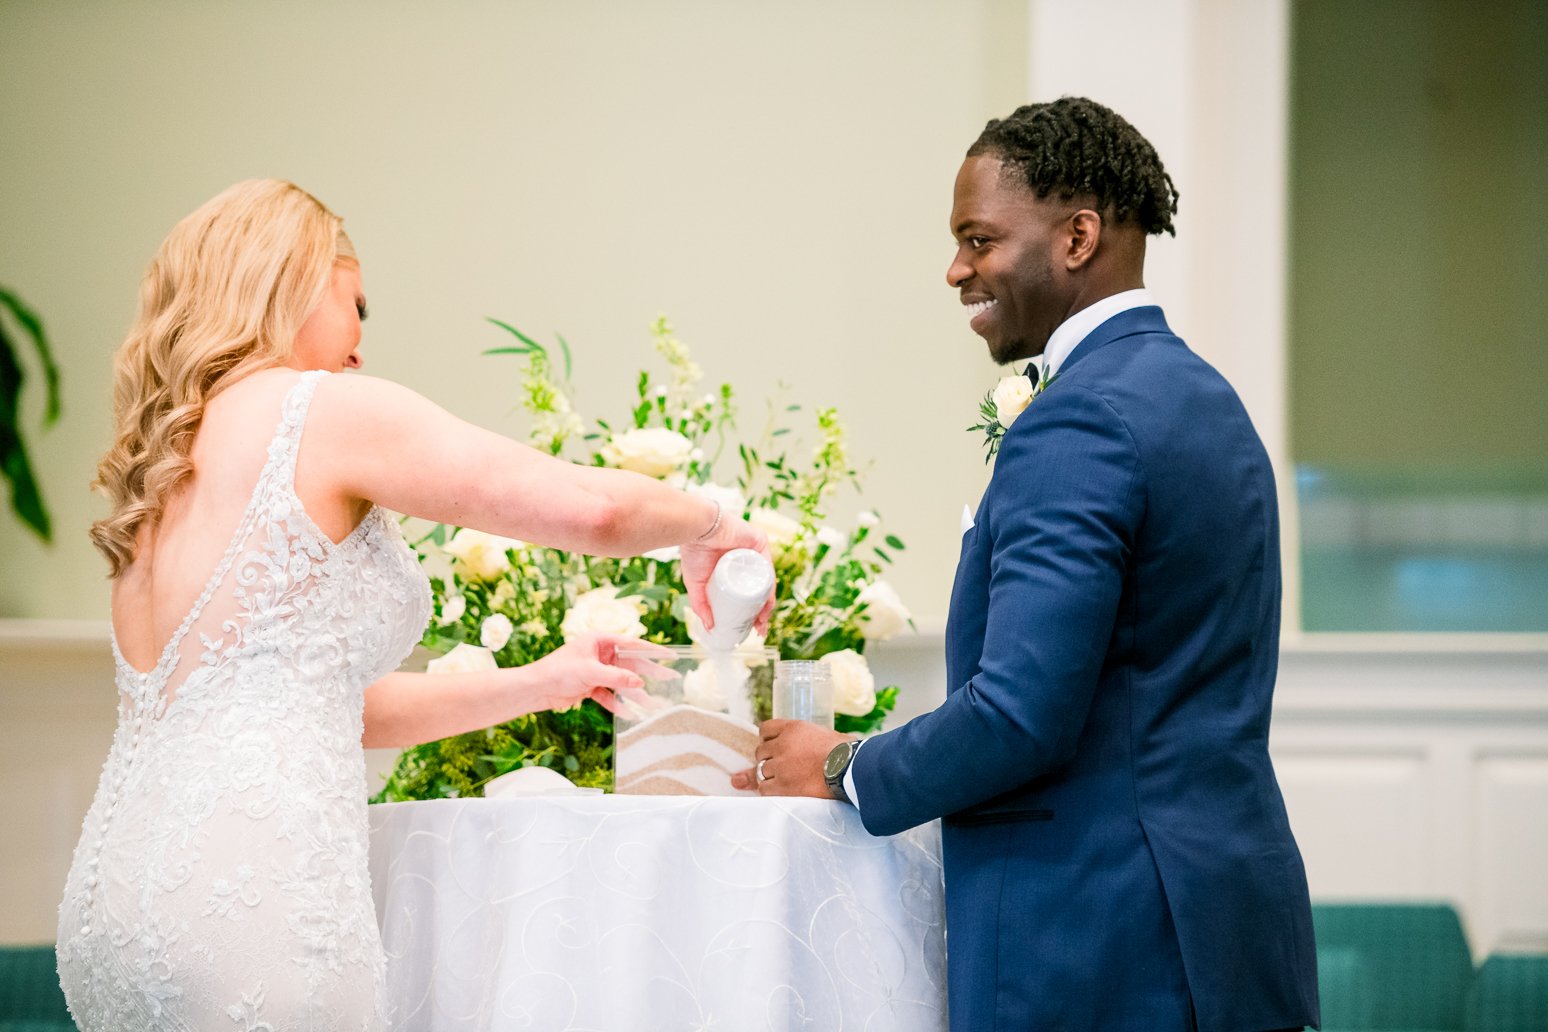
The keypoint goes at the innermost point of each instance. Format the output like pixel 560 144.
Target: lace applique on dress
pixel 221 879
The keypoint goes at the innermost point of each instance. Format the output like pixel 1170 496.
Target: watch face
pixel 837 759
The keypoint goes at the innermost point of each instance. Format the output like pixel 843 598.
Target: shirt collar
pixel 1079 326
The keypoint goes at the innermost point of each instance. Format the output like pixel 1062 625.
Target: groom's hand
pixel 790 755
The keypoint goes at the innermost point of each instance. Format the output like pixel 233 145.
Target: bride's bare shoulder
pixel 253 400
pixel 358 404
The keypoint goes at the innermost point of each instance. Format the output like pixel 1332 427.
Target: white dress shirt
pixel 1061 343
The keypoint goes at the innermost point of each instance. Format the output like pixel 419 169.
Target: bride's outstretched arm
pixel 407 709
pixel 380 442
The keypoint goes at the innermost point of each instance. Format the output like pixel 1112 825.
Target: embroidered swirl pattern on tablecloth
pixel 221 880
pixel 656 914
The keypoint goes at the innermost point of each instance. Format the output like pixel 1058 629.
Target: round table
pixel 657 914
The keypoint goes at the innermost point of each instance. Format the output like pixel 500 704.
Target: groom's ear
pixel 1083 235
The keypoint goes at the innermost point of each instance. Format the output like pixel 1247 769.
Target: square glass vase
pixel 701 724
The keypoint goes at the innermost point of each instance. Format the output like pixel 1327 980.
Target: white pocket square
pixel 967 519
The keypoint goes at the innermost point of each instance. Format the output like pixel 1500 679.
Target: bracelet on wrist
pixel 713 526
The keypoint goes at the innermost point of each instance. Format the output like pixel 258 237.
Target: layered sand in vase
pixel 683 750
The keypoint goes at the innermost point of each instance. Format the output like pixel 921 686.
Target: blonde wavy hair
pixel 224 297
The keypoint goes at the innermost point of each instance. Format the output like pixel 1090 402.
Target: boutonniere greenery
pixel 1000 407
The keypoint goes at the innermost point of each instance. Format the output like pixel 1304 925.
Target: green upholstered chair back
pixel 1392 966
pixel 1510 994
pixel 30 997
pixel 1348 995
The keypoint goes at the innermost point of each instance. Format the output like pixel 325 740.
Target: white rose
pixel 1012 395
pixel 830 537
pixel 655 451
pixel 885 614
pixel 868 519
pixel 464 659
pixel 496 631
pixel 782 531
pixel 601 611
pixel 669 554
pixel 732 504
pixel 703 686
pixel 482 555
pixel 854 687
pixel 453 608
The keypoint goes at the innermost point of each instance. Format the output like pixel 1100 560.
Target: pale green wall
pixel 776 177
pixel 1419 235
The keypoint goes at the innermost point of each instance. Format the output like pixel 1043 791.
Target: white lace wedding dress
pixel 221 879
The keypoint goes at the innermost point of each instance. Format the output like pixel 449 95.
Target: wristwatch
pixel 837 765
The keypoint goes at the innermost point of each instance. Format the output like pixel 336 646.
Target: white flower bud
pixel 495 632
pixel 453 608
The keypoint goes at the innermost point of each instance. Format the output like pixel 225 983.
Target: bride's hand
pixel 699 559
pixel 588 667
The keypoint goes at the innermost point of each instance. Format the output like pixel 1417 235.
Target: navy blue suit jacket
pixel 1116 845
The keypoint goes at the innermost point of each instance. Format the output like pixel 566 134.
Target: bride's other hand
pixel 588 667
pixel 406 709
pixel 699 559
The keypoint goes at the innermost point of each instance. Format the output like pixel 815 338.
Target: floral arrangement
pixel 1000 407
pixel 506 603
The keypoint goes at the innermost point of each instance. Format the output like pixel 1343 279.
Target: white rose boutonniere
pixel 1000 407
pixel 854 687
pixel 464 659
pixel 654 451
pixel 885 614
pixel 601 611
pixel 1011 397
pixel 482 556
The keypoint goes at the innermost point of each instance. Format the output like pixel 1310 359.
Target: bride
pixel 261 599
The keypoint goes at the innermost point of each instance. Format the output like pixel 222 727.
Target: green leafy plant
pixel 26 498
pixel 521 601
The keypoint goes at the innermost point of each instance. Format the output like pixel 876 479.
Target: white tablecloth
pixel 611 914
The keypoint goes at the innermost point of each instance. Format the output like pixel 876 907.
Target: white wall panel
pixel 1509 842
pixel 1358 817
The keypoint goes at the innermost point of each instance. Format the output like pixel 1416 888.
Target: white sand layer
pixel 683 751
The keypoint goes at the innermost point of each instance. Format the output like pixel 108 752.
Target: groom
pixel 1116 848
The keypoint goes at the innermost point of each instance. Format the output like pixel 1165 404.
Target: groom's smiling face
pixel 1005 267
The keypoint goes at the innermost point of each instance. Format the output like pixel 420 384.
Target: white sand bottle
pixel 737 589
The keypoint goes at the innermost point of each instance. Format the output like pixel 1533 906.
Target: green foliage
pixel 820 571
pixel 26 498
pixel 577 743
pixel 886 699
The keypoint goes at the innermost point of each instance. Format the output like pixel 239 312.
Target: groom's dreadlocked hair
pixel 1077 147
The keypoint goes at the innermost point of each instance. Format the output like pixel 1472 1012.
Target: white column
pixel 1207 82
